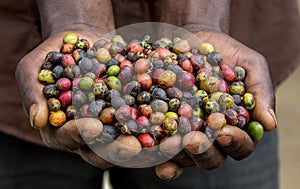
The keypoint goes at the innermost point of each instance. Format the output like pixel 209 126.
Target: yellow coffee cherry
pixel 206 48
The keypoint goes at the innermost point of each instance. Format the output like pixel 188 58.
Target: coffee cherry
pixel 57 118
pixel 255 130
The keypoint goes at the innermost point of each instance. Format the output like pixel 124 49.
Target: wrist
pixel 198 15
pixel 80 29
pixel 90 36
pixel 81 15
pixel 202 28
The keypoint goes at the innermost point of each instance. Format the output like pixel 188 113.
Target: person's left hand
pixel 231 141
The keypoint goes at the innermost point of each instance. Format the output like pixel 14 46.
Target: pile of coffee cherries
pixel 148 90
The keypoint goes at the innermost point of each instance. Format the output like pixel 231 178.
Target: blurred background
pixel 288 113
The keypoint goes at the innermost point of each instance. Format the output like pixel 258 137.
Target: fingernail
pixel 32 113
pixel 272 113
pixel 224 140
pixel 168 171
pixel 270 120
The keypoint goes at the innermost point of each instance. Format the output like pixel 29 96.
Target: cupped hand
pixel 72 136
pixel 231 141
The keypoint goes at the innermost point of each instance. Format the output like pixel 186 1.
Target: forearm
pixel 197 15
pixel 68 15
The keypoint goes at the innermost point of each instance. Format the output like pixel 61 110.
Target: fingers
pixel 183 159
pixel 168 170
pixel 38 113
pixel 93 158
pixel 123 149
pixel 74 134
pixel 170 146
pixel 258 83
pixel 202 151
pixel 235 142
pixel 34 102
pixel 258 80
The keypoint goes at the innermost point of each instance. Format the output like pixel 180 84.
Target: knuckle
pixel 50 140
pixel 20 66
pixel 259 60
pixel 92 158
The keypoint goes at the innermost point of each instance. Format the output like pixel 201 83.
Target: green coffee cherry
pixel 172 115
pixel 211 106
pixel 86 83
pixel 114 82
pixel 113 70
pixel 198 112
pixel 255 130
pixel 70 38
pixel 91 96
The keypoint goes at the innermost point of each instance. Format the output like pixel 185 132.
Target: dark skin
pixel 198 151
pixel 232 141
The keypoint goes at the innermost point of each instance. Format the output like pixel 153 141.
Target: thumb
pixel 258 80
pixel 33 100
pixel 38 115
pixel 168 170
pixel 260 85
